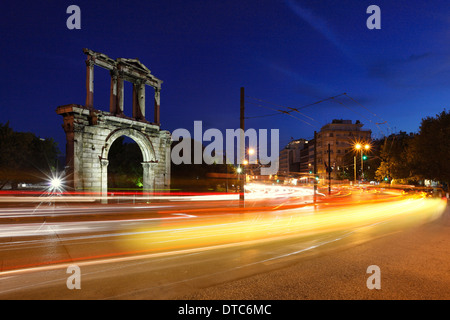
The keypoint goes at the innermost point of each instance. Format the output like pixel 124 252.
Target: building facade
pixel 340 138
pixel 289 160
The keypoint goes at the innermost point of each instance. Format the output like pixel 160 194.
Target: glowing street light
pixel 359 146
pixel 366 147
pixel 55 183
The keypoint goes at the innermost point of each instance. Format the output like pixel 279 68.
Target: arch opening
pixel 144 148
pixel 125 171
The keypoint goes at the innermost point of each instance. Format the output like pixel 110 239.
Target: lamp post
pixel 366 147
pixel 358 146
pixel 243 178
pixel 239 172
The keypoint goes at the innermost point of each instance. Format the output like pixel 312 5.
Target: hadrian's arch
pixel 148 155
pixel 90 132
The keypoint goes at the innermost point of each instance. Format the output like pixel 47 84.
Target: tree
pixel 125 165
pixel 430 149
pixel 24 157
pixel 195 177
pixel 395 158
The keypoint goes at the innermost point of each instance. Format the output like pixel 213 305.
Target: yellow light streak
pixel 291 222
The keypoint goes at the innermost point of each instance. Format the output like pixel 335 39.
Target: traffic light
pixel 364 157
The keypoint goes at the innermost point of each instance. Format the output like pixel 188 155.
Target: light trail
pixel 290 222
pixel 253 191
pixel 185 232
pixel 30 229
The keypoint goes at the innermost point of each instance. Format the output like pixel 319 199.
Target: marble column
pixel 139 100
pixel 90 82
pixel 157 104
pixel 113 95
pixel 119 103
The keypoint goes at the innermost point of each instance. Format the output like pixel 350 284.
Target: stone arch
pixel 91 132
pixel 148 156
pixel 144 143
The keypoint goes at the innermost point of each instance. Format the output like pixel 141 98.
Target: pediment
pixel 134 63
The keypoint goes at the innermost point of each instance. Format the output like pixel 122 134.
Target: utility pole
pixel 362 166
pixel 242 147
pixel 315 165
pixel 329 170
pixel 354 167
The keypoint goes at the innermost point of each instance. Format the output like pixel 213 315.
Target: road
pixel 184 246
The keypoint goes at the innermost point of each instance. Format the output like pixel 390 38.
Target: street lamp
pixel 359 146
pixel 366 147
pixel 55 183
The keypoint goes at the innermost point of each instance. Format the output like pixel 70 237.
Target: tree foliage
pixel 394 154
pixel 425 155
pixel 125 165
pixel 195 177
pixel 429 154
pixel 24 157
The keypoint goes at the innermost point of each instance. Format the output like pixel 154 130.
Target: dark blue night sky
pixel 288 53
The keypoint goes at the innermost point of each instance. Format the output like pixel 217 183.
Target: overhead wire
pixel 290 109
pixel 277 105
pixel 280 112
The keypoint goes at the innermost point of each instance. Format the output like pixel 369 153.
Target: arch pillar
pixel 148 177
pixel 104 179
pixel 88 145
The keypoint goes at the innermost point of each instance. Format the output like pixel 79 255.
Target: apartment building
pixel 341 136
pixel 289 160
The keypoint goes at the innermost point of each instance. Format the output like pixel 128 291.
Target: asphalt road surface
pixel 280 247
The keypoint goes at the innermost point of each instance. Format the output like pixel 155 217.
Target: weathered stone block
pixel 91 145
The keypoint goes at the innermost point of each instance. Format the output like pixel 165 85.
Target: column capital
pixel 139 81
pixel 90 62
pixel 114 73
